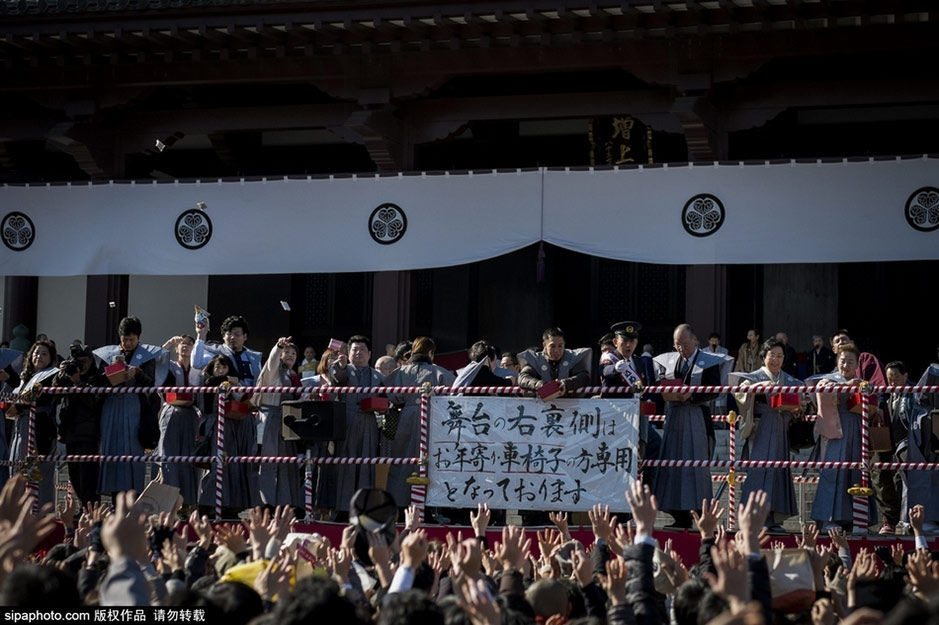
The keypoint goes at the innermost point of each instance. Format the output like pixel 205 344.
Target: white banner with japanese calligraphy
pixel 526 454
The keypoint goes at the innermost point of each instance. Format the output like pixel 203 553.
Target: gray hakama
pixel 686 435
pixel 120 421
pixel 832 502
pixel 361 439
pixel 178 428
pixel 930 377
pixel 120 417
pixel 407 439
pixel 239 479
pixel 280 484
pixel 920 487
pixel 767 439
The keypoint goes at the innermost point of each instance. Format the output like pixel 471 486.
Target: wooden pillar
pixel 705 299
pixel 101 318
pixel 391 309
pixel 19 304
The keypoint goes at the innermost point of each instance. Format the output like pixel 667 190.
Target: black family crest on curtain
pixel 703 215
pixel 922 209
pixel 18 231
pixel 193 229
pixel 387 223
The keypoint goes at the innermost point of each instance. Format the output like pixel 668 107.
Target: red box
pixel 549 390
pixel 116 373
pixel 855 405
pixel 791 402
pixel 375 404
pixel 237 410
pixel 672 382
pixel 647 408
pixel 179 399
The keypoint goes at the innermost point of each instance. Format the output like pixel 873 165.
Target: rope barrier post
pixel 859 503
pixel 731 473
pixel 308 485
pixel 420 481
pixel 219 454
pixel 31 454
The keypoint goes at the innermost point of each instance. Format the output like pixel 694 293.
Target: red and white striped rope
pixel 767 464
pixel 214 459
pixel 797 479
pixel 718 464
pixel 490 390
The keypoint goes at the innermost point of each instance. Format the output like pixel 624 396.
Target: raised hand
pixel 600 521
pixel 412 518
pixel 274 581
pixel 123 533
pixel 917 516
pixel 257 524
pixel 414 549
pixel 560 521
pixel 280 524
pixel 615 582
pixel 202 528
pixel 923 572
pixel 230 536
pixel 809 536
pixel 751 517
pixel 838 540
pixel 732 581
pixel 513 549
pixel 582 568
pixel 480 520
pixel 707 521
pixel 643 506
pixel 479 604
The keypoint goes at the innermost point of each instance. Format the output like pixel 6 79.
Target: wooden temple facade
pixel 188 89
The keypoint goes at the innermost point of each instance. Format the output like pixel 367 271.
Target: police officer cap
pixel 627 329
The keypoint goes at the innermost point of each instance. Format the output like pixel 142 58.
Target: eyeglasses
pixel 775 356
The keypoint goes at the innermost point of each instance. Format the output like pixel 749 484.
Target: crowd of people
pixel 181 424
pixel 260 571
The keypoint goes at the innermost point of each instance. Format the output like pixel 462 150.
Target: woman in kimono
pixel 281 484
pixel 765 432
pixel 324 475
pixel 122 415
pixel 39 369
pixel 840 441
pixel 11 364
pixel 239 479
pixel 179 423
pixel 242 436
pixel 419 368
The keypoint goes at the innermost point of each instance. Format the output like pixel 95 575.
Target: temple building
pixel 169 92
